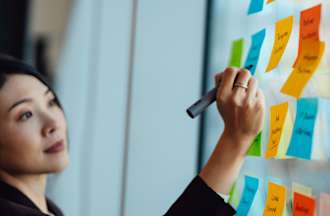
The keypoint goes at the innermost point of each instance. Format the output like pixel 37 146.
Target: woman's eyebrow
pixel 24 101
pixel 19 102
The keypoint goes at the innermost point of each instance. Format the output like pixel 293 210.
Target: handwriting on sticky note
pixel 303 205
pixel 236 53
pixel 254 52
pixel 283 29
pixel 324 204
pixel 310 23
pixel 275 202
pixel 248 195
pixel 278 123
pixel 302 135
pixel 309 27
pixel 255 6
pixel 311 55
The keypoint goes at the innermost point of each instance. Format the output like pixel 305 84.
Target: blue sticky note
pixel 255 6
pixel 302 134
pixel 249 192
pixel 254 52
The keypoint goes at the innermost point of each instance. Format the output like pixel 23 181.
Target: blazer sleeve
pixel 199 199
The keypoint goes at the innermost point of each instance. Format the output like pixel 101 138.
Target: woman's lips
pixel 56 147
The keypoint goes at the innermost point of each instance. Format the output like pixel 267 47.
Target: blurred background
pixel 125 72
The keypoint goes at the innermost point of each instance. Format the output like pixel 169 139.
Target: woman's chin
pixel 59 164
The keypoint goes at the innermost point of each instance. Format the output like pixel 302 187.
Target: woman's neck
pixel 33 186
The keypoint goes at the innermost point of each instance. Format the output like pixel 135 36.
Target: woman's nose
pixel 50 126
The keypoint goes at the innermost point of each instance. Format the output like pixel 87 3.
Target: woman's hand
pixel 242 109
pixel 241 105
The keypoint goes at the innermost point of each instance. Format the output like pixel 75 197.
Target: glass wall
pixel 230 21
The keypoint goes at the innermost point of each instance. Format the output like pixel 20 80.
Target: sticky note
pixel 302 189
pixel 311 55
pixel 249 192
pixel 283 29
pixel 303 205
pixel 275 201
pixel 309 26
pixel 254 52
pixel 255 148
pixel 302 134
pixel 233 196
pixel 280 123
pixel 269 1
pixel 255 6
pixel 236 53
pixel 324 207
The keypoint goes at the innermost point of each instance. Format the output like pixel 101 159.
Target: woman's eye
pixel 25 116
pixel 52 102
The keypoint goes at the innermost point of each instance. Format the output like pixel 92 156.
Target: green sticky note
pixel 236 53
pixel 255 148
pixel 233 196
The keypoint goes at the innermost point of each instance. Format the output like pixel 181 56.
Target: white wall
pixel 128 72
pixel 162 147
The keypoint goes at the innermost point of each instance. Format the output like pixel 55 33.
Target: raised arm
pixel 241 106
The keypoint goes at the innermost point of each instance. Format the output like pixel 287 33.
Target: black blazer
pixel 14 203
pixel 197 200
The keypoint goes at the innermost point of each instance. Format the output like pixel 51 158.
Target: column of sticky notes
pixel 288 138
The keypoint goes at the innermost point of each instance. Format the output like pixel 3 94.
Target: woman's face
pixel 33 130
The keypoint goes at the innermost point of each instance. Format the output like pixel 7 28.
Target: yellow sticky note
pixel 302 189
pixel 280 129
pixel 276 199
pixel 283 29
pixel 310 57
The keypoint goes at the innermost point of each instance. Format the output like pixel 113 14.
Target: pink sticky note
pixel 324 204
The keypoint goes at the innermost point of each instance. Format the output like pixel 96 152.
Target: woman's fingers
pixel 252 90
pixel 260 100
pixel 218 77
pixel 241 82
pixel 227 82
pixel 238 83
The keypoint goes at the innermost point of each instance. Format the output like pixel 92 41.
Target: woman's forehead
pixel 19 86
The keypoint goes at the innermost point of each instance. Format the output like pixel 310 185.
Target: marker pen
pixel 200 105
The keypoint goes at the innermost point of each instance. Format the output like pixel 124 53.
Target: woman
pixel 33 142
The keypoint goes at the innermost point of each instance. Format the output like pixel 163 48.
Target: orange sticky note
pixel 280 123
pixel 269 1
pixel 283 29
pixel 324 204
pixel 309 27
pixel 276 199
pixel 310 57
pixel 303 205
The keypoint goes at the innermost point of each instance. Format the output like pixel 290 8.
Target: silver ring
pixel 240 85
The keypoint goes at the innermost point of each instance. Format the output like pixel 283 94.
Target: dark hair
pixel 10 65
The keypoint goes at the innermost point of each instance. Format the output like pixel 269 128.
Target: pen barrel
pixel 198 107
